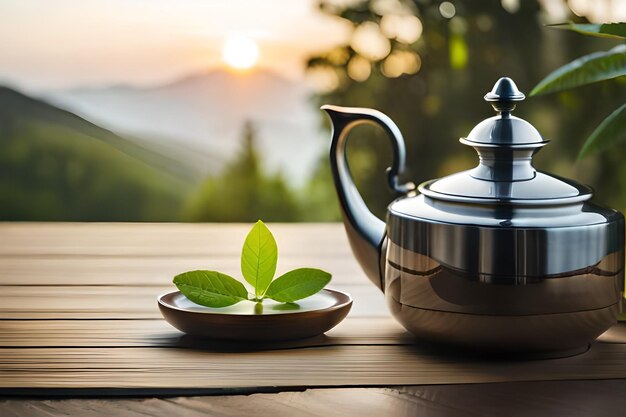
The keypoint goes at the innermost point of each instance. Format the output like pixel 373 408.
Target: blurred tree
pixel 319 197
pixel 243 192
pixel 427 64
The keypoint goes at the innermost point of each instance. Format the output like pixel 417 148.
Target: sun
pixel 240 52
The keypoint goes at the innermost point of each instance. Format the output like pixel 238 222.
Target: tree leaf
pixel 602 30
pixel 210 288
pixel 258 258
pixel 588 69
pixel 611 131
pixel 297 284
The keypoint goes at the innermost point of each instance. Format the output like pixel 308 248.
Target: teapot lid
pixel 505 145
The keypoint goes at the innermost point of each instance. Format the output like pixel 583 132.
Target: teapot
pixel 499 258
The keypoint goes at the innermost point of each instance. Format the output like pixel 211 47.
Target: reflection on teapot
pixel 501 257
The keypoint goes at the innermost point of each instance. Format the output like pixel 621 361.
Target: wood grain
pixel 164 239
pixel 151 254
pixel 538 399
pixel 146 333
pixel 301 367
pixel 130 302
pixel 152 271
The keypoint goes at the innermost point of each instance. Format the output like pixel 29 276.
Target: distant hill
pixel 206 112
pixel 54 165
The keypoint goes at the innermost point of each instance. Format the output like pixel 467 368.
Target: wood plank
pixel 151 254
pixel 163 239
pixel 546 398
pixel 146 333
pixel 539 399
pixel 145 270
pixel 331 366
pixel 107 302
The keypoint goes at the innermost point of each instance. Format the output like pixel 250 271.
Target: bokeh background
pixel 209 111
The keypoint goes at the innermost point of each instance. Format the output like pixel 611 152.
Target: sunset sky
pixel 63 43
pixel 47 44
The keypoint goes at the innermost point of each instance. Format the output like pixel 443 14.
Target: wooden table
pixel 78 320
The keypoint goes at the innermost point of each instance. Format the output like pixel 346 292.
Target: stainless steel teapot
pixel 501 257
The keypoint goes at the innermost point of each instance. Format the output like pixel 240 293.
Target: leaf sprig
pixel 259 257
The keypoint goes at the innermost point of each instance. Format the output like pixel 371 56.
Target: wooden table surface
pixel 79 320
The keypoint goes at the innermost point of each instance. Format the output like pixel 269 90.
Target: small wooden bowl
pixel 243 321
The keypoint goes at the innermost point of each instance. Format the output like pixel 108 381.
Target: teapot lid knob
pixel 504 94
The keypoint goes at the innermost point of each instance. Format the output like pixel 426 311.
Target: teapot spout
pixel 366 232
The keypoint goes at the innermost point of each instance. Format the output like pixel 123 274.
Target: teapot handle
pixel 365 231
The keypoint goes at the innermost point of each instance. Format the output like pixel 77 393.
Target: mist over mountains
pixel 57 166
pixel 199 118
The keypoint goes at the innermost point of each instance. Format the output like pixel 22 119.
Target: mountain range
pixel 55 165
pixel 198 119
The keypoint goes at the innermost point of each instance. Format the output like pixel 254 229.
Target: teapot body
pixel 549 281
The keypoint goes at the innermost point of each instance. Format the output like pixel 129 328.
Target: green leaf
pixel 210 288
pixel 603 30
pixel 611 131
pixel 297 284
pixel 588 69
pixel 258 258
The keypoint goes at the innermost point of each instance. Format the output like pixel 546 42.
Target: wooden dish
pixel 245 321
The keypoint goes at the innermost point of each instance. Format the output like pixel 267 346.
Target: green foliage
pixel 611 131
pixel 297 284
pixel 57 166
pixel 258 266
pixel 243 192
pixel 598 66
pixel 211 288
pixel 603 30
pixel 258 258
pixel 319 196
